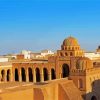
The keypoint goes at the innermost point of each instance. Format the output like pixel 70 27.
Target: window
pixel 61 54
pixel 80 83
pixel 71 54
pixel 66 54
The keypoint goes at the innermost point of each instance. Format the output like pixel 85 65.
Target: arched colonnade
pixel 37 74
pixel 5 75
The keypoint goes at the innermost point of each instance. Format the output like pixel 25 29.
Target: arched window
pixel 23 74
pixel 93 98
pixel 45 73
pixel 93 84
pixel 71 54
pixel 8 75
pixel 65 70
pixel 65 48
pixel 30 74
pixel 3 75
pixel 16 75
pixel 53 74
pixel 66 54
pixel 80 83
pixel 72 48
pixel 94 63
pixel 37 75
pixel 61 54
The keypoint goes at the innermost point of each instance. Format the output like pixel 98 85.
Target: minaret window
pixel 80 83
pixel 72 48
pixel 71 54
pixel 61 54
pixel 66 54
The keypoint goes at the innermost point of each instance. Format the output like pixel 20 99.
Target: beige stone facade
pixel 68 63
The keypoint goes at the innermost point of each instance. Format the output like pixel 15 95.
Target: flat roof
pixel 15 86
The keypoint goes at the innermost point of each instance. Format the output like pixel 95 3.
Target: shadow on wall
pixel 95 93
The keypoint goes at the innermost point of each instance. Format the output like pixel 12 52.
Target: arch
pixel 65 48
pixel 53 75
pixel 71 54
pixel 61 54
pixel 16 75
pixel 30 74
pixel 3 75
pixel 72 48
pixel 23 74
pixel 76 48
pixel 93 98
pixel 66 54
pixel 8 75
pixel 37 74
pixel 80 83
pixel 45 74
pixel 65 70
pixel 94 63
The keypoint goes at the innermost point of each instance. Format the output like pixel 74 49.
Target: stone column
pixel 49 75
pixel 0 77
pixel 27 76
pixel 34 76
pixel 12 76
pixel 20 76
pixel 60 75
pixel 5 76
pixel 41 76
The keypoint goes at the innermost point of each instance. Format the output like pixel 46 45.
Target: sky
pixel 44 24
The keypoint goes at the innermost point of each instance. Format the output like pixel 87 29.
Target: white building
pixel 42 54
pixel 26 54
pixel 46 52
pixel 3 59
pixel 93 55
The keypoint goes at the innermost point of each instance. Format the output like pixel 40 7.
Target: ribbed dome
pixel 70 41
pixel 84 63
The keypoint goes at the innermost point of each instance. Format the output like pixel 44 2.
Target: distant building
pixel 3 59
pixel 93 55
pixel 10 56
pixel 20 57
pixel 26 54
pixel 46 52
pixel 35 55
pixel 42 54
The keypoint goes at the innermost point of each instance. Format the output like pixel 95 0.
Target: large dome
pixel 70 41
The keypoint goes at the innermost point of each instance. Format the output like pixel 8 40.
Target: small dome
pixel 70 41
pixel 84 63
pixel 84 58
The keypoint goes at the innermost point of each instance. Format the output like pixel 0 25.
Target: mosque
pixel 69 73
